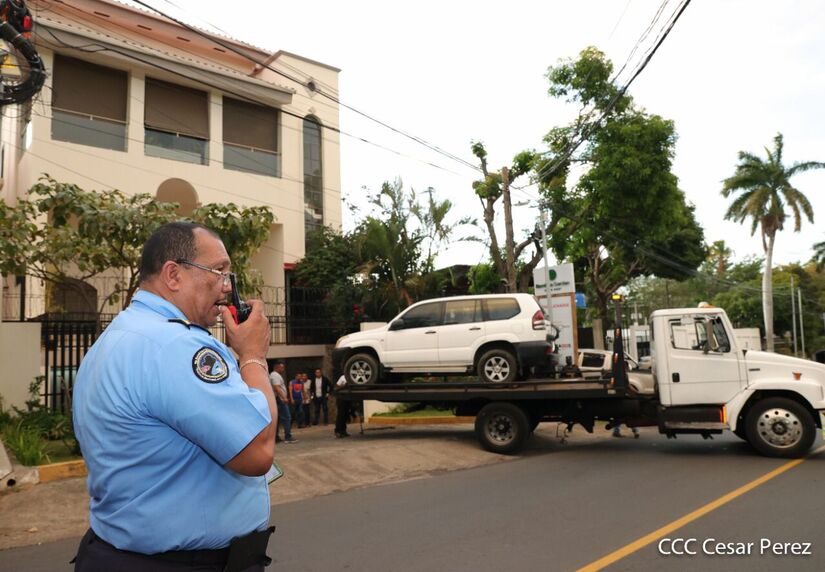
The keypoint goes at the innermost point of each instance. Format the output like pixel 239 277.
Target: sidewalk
pixel 317 465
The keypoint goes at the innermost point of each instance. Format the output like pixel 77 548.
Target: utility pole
pixel 793 315
pixel 509 245
pixel 543 223
pixel 801 323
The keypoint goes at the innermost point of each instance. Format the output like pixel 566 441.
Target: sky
pixel 731 75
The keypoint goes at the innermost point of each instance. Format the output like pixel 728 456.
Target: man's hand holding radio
pixel 250 339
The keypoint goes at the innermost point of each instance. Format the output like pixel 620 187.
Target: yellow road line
pixel 688 518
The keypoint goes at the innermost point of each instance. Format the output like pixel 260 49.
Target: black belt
pixel 189 557
pixel 242 552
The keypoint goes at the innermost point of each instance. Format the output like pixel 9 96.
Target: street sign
pixel 561 278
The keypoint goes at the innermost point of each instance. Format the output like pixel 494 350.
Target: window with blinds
pixel 89 104
pixel 250 138
pixel 176 121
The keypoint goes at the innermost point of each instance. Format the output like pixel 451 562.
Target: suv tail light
pixel 538 320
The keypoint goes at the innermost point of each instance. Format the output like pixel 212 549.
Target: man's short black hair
pixel 172 241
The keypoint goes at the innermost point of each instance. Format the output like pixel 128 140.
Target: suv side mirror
pixel 397 324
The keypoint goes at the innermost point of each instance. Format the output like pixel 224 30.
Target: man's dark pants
pixel 321 402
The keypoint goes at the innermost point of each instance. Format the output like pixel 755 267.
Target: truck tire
pixel 497 366
pixel 361 369
pixel 780 427
pixel 740 430
pixel 502 427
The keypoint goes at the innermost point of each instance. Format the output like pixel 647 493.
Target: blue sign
pixel 581 300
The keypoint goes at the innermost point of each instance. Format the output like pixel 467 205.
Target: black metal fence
pixel 67 337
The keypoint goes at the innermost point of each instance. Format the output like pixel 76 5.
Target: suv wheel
pixel 497 366
pixel 361 369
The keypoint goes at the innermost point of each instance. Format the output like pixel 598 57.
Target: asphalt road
pixel 556 508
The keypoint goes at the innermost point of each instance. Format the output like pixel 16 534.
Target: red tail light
pixel 538 320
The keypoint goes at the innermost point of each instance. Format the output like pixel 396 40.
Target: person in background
pixel 617 432
pixel 296 397
pixel 319 387
pixel 307 402
pixel 276 378
pixel 343 410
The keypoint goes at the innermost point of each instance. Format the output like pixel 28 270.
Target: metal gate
pixel 65 339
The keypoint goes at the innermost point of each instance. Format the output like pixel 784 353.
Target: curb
pixel 72 469
pixel 64 470
pixel 451 420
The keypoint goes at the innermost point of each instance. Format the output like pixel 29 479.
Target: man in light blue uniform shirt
pixel 176 432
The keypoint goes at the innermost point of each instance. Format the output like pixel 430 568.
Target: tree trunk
pixel 509 242
pixel 767 292
pixel 495 253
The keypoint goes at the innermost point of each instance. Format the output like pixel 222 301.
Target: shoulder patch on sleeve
pixel 209 366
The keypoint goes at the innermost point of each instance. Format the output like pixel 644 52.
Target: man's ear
pixel 170 275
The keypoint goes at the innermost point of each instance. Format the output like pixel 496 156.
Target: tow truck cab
pixel 707 384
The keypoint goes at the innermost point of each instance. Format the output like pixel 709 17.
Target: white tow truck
pixel 704 384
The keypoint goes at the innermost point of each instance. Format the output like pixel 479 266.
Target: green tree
pixel 625 216
pixel 387 261
pixel 63 234
pixel 507 260
pixel 331 258
pixel 819 255
pixel 763 190
pixel 243 230
pixel 484 279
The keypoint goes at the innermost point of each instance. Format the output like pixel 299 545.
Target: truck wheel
pixel 497 366
pixel 361 369
pixel 740 431
pixel 502 427
pixel 780 427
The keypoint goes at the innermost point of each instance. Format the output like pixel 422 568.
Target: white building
pixel 136 102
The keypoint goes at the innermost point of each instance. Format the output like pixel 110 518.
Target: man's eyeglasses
pixel 224 275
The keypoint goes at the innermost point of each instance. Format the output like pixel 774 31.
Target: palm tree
pixel 819 255
pixel 765 192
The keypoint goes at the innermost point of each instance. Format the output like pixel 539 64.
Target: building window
pixel 250 138
pixel 89 104
pixel 313 178
pixel 176 122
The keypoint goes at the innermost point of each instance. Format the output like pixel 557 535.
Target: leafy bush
pixel 25 443
pixel 26 431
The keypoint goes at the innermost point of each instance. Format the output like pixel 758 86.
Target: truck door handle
pixel 675 377
pixel 475 329
pixel 430 332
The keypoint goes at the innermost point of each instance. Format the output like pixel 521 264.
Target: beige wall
pixel 132 172
pixel 20 356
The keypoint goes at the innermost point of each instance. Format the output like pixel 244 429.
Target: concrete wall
pixel 20 356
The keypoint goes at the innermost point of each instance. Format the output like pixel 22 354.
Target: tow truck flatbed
pixel 534 389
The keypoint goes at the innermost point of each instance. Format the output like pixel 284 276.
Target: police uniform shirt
pixel 159 408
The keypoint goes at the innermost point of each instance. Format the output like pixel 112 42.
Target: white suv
pixel 500 337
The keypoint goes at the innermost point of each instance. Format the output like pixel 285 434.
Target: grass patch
pixel 425 412
pixel 58 452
